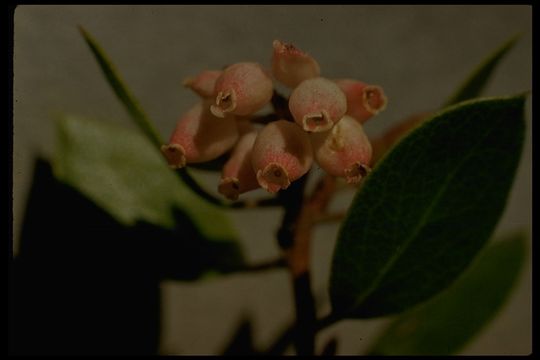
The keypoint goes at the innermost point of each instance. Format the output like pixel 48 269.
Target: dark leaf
pixel 84 283
pixel 427 208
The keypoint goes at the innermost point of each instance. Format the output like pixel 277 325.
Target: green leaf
pixel 444 324
pixel 121 91
pixel 123 173
pixel 427 208
pixel 76 234
pixel 478 79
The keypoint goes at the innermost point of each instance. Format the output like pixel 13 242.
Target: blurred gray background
pixel 419 54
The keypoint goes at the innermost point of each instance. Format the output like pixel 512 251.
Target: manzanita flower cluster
pixel 327 129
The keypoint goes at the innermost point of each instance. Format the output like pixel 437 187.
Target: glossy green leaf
pixel 427 208
pixel 121 91
pixel 444 324
pixel 124 174
pixel 477 80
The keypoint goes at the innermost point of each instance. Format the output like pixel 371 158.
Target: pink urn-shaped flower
pixel 291 66
pixel 344 151
pixel 281 154
pixel 237 176
pixel 363 100
pixel 242 89
pixel 317 104
pixel 199 136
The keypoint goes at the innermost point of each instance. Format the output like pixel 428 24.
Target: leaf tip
pixel 83 31
pixel 86 35
pixel 478 79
